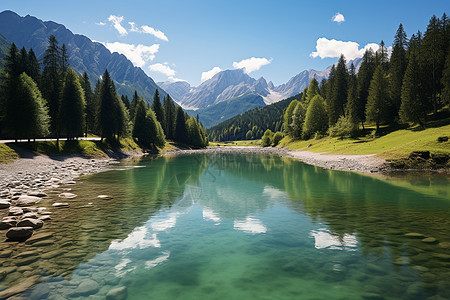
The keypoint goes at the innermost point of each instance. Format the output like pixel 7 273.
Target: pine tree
pixel 73 105
pixel 169 118
pixel 364 78
pixel 90 104
pixel 112 115
pixel 196 133
pixel 133 105
pixel 156 133
pixel 377 109
pixel 9 87
pixel 64 60
pixel 26 114
pixel 397 68
pixel 180 135
pixel 412 108
pixel 381 57
pixel 433 56
pixel 33 69
pixel 446 81
pixel 125 101
pixel 338 97
pixel 352 98
pixel 313 89
pixel 316 120
pixel 23 60
pixel 139 128
pixel 51 82
pixel 157 107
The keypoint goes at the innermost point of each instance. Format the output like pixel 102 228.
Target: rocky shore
pixel 358 163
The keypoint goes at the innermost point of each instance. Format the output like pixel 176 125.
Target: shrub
pixel 343 128
pixel 266 140
pixel 277 138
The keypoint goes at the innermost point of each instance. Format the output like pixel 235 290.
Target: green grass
pixel 7 154
pixel 236 143
pixel 394 145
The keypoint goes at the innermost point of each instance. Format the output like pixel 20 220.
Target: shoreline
pixel 342 162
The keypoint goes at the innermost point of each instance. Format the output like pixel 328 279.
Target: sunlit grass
pixel 7 154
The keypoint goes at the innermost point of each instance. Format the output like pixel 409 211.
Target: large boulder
pixel 19 233
pixel 87 287
pixel 26 200
pixel 29 222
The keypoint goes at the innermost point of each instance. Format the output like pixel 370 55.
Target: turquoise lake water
pixel 252 226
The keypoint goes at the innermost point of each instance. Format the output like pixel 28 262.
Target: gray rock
pixel 120 293
pixel 45 218
pixel 29 209
pixel 15 211
pixel 19 233
pixel 37 194
pixel 4 204
pixel 29 222
pixel 27 200
pixel 30 215
pixel 7 223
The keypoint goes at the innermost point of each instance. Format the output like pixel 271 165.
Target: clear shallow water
pixel 245 227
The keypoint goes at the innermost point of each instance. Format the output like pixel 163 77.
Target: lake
pixel 233 226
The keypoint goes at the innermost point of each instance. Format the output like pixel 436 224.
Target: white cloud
pixel 338 18
pixel 250 225
pixel 162 68
pixel 100 23
pixel 139 55
pixel 251 64
pixel 155 32
pixel 333 48
pixel 149 30
pixel 210 74
pixel 116 20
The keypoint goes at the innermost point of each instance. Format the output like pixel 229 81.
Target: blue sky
pixel 183 39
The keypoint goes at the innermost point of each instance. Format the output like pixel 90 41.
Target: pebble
pixel 35 223
pixel 4 204
pixel 19 233
pixel 429 240
pixel 105 197
pixel 415 235
pixel 25 200
pixel 59 204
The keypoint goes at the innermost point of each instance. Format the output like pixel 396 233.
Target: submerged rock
pixel 120 293
pixel 25 284
pixel 19 233
pixel 37 194
pixel 7 223
pixel 429 240
pixel 105 197
pixel 87 287
pixel 59 204
pixel 67 195
pixel 415 235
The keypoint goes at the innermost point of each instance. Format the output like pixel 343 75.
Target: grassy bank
pixel 236 143
pixel 10 152
pixel 395 146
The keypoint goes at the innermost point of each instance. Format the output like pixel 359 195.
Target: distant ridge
pixel 84 54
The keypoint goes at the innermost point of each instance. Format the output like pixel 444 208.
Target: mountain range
pixel 84 54
pixel 225 95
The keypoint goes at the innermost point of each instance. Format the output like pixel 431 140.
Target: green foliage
pixel 352 98
pixel 155 132
pixel 344 127
pixel 287 119
pixel 73 105
pixel 91 106
pixel 364 77
pixel 377 109
pixel 298 119
pixel 316 118
pixel 266 140
pixel 147 130
pixel 139 128
pixel 277 137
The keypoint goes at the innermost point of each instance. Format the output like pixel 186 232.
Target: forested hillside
pixel 251 124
